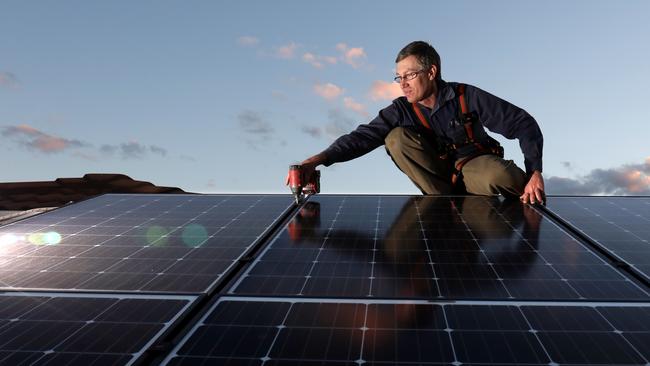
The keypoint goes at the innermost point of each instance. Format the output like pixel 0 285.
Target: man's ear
pixel 433 72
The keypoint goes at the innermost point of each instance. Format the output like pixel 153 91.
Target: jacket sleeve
pixel 504 118
pixel 364 138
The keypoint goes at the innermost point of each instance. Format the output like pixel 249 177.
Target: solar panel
pixel 433 248
pixel 358 280
pixel 144 243
pixel 620 225
pixel 291 331
pixel 77 329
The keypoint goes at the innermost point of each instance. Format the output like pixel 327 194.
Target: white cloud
pixel 318 61
pixel 353 56
pixel 312 59
pixel 354 106
pixel 287 51
pixel 383 90
pixel 328 91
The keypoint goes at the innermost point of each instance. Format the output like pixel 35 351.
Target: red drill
pixel 299 188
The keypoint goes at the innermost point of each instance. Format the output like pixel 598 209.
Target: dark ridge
pixel 28 195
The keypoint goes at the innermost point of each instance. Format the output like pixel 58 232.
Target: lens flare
pixel 52 238
pixel 36 238
pixel 157 236
pixel 8 239
pixel 194 235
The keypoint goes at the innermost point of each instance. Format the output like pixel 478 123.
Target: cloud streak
pixel 314 132
pixel 628 179
pixel 252 123
pixel 248 41
pixel 338 124
pixel 39 141
pixel 131 150
pixel 257 131
pixel 318 61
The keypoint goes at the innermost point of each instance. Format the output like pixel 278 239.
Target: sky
pixel 221 97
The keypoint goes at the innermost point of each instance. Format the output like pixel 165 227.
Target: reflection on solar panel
pixel 349 280
pixel 291 331
pixel 430 247
pixel 51 329
pixel 619 224
pixel 157 243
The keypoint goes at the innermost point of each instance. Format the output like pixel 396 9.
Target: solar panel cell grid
pixel 50 329
pixel 169 243
pixel 341 282
pixel 430 247
pixel 393 332
pixel 620 225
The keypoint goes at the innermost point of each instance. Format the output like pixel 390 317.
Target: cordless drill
pixel 299 188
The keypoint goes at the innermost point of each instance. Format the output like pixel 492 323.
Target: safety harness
pixel 467 119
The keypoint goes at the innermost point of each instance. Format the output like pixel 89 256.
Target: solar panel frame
pixel 160 274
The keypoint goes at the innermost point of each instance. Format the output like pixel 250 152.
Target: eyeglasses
pixel 407 77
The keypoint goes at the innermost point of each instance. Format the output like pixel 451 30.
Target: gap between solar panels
pixel 205 303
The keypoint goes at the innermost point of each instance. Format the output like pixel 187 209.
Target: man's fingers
pixel 532 197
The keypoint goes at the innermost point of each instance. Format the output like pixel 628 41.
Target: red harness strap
pixel 467 124
pixel 470 135
pixel 420 115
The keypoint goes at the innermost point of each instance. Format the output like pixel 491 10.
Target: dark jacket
pixel 494 113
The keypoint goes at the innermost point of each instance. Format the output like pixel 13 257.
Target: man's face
pixel 420 87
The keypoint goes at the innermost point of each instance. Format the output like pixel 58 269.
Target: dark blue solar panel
pixel 150 243
pixel 620 225
pixel 433 248
pixel 76 329
pixel 322 331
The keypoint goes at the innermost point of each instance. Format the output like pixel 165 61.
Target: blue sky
pixel 223 96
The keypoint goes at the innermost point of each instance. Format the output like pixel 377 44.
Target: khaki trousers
pixel 486 175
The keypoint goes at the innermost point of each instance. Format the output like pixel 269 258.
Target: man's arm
pixel 504 118
pixel 362 140
pixel 510 121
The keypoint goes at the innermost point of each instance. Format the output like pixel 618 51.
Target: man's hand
pixel 534 190
pixel 310 165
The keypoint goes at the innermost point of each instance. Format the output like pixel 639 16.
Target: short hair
pixel 424 52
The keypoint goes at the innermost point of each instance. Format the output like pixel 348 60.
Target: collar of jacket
pixel 445 93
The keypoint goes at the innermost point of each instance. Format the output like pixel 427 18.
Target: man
pixel 435 135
